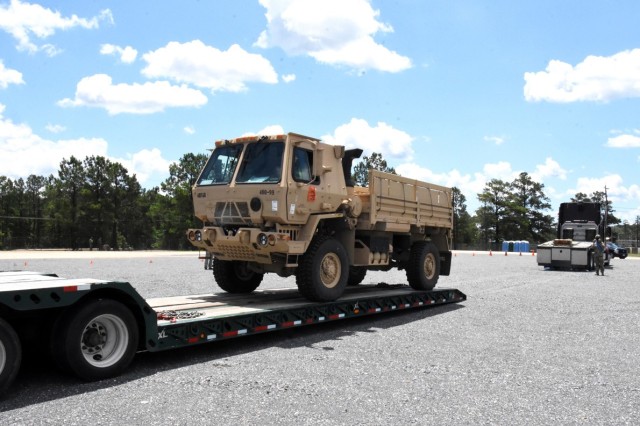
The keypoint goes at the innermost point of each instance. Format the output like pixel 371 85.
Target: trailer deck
pixel 96 326
pixel 201 318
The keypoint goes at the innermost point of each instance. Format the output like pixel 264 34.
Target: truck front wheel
pixel 10 355
pixel 323 271
pixel 96 340
pixel 423 269
pixel 234 276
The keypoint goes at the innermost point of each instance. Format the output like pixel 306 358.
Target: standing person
pixel 599 248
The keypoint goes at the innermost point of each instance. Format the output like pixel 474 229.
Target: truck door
pixel 302 185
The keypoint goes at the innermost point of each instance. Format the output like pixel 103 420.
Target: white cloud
pixel 55 128
pixel 99 91
pixel 498 140
pixel 205 66
pixel 288 78
pixel 9 76
pixel 127 54
pixel 25 20
pixel 274 129
pixel 25 153
pixel 382 138
pixel 189 130
pixel 624 141
pixel 597 78
pixel 335 32
pixel 617 192
pixel 145 164
pixel 550 168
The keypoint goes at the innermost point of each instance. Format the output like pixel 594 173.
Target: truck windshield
pixel 221 165
pixel 262 163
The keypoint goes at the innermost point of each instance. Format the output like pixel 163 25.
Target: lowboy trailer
pixel 95 327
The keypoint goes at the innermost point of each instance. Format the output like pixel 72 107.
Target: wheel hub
pixel 429 266
pixel 94 339
pixel 330 270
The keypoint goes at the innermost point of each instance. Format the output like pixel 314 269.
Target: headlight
pixel 198 236
pixel 262 239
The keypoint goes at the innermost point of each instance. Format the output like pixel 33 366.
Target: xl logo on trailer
pixel 162 334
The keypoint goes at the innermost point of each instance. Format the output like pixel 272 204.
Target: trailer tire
pixel 96 340
pixel 423 269
pixel 234 276
pixel 323 270
pixel 10 355
pixel 356 275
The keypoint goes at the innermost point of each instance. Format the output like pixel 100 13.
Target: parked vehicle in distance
pixel 616 251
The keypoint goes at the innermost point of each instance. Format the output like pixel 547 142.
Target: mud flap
pixel 445 262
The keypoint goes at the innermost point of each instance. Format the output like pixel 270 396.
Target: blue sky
pixel 453 92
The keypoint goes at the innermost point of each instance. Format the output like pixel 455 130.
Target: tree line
pixel 97 203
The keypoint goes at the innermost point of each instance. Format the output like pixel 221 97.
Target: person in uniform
pixel 598 251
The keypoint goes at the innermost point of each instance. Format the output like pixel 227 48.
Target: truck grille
pixel 236 252
pixel 231 213
pixel 292 232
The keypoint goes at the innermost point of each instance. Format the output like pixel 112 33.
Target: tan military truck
pixel 287 204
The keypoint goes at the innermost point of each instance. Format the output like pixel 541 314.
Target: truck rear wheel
pixel 356 275
pixel 96 340
pixel 323 271
pixel 423 269
pixel 234 276
pixel 10 355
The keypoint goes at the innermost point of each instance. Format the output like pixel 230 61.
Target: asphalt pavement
pixel 529 346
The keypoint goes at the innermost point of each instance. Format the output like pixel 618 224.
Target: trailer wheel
pixel 96 340
pixel 235 276
pixel 323 271
pixel 10 355
pixel 423 269
pixel 356 275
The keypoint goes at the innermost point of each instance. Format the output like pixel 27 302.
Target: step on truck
pixel 578 225
pixel 287 204
pixel 93 328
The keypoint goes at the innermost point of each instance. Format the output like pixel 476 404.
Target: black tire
pixel 10 355
pixel 235 276
pixel 356 275
pixel 96 340
pixel 423 269
pixel 323 270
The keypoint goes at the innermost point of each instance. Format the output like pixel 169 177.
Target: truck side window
pixel 302 165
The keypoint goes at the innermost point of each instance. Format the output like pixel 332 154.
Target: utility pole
pixel 637 226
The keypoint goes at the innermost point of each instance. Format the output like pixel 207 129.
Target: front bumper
pixel 246 244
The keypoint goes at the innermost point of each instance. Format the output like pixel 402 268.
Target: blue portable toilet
pixel 525 246
pixel 516 246
pixel 505 245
